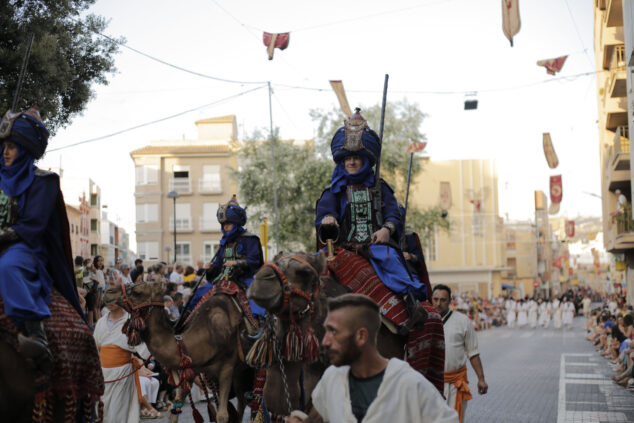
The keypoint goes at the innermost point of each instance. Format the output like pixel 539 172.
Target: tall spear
pixel 413 147
pixel 378 202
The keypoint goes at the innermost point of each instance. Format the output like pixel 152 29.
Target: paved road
pixel 546 375
pixel 540 375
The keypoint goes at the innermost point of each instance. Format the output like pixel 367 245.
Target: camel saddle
pixel 76 372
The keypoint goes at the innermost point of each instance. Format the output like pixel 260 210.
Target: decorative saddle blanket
pixel 426 348
pixel 76 377
pixel 229 288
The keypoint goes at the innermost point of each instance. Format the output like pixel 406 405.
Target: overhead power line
pixel 157 120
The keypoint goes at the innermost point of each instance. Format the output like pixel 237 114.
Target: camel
pixel 303 270
pixel 210 339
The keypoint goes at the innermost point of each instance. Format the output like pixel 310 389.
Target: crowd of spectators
pixel 610 328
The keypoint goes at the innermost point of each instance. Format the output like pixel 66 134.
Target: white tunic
pixel 120 399
pixel 532 313
pixel 556 314
pixel 544 314
pixel 404 396
pixel 522 317
pixel 568 313
pixel 510 313
pixel 461 343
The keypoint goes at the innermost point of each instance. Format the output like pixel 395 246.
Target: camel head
pixel 136 294
pixel 302 271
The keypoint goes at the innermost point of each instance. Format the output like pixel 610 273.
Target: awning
pixel 506 286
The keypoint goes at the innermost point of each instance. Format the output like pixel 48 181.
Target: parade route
pixel 545 375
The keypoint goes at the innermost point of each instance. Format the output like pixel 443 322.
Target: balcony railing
pixel 617 62
pixel 208 186
pixel 184 259
pixel 209 224
pixel 181 185
pixel 622 139
pixel 623 219
pixel 183 224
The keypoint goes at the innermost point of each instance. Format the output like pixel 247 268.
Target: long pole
pixel 174 230
pixel 378 201
pixel 409 178
pixel 275 217
pixel 25 62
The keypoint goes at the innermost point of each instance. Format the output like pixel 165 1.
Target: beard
pixel 346 354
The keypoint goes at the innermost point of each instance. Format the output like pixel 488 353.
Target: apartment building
pixel 179 186
pixel 520 275
pixel 471 257
pixel 613 45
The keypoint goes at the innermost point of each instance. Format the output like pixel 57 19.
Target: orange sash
pixel 113 356
pixel 458 378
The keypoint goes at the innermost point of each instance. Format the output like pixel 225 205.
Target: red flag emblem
pixel 273 41
pixel 570 228
pixel 556 190
pixel 416 147
pixel 553 65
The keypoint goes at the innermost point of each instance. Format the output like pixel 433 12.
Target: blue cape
pixel 340 177
pixel 15 179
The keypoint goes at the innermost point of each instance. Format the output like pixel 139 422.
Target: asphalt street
pixel 539 375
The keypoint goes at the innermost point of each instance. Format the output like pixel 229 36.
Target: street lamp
pixel 174 195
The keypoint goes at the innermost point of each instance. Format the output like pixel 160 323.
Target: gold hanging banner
pixel 337 87
pixel 549 151
pixel 510 18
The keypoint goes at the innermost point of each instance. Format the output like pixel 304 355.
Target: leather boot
pixel 417 313
pixel 34 345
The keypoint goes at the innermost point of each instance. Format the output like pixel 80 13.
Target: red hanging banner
pixel 556 189
pixel 549 151
pixel 553 65
pixel 570 228
pixel 273 41
pixel 416 147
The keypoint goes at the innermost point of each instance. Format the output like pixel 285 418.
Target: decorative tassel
pixel 310 345
pixel 211 411
pixel 258 356
pixel 134 338
pixel 259 418
pixel 139 322
pixel 188 374
pixel 185 362
pixel 39 407
pixel 195 413
pixel 292 350
pixel 125 327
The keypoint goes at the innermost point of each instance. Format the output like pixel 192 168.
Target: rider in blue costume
pixel 34 237
pixel 348 204
pixel 239 256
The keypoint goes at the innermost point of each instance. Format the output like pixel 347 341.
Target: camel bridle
pixel 290 290
pixel 134 307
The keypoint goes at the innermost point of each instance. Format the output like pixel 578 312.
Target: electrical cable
pixel 578 33
pixel 155 121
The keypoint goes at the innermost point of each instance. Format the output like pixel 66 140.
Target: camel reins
pixel 290 290
pixel 133 308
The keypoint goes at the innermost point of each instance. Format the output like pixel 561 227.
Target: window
pixel 146 175
pixel 180 171
pixel 146 213
pixel 94 250
pixel 183 217
pixel 183 252
pixel 209 250
pixel 94 226
pixel 211 181
pixel 209 221
pixel 94 200
pixel 148 250
pixel 431 253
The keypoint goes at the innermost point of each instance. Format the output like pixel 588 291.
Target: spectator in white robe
pixel 511 312
pixel 522 314
pixel 532 313
pixel 121 399
pixel 557 313
pixel 544 313
pixel 362 385
pixel 568 312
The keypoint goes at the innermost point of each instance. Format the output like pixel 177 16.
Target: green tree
pixel 67 56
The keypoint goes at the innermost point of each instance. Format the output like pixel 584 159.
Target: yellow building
pixel 521 258
pixel 471 257
pixel 199 172
pixel 612 56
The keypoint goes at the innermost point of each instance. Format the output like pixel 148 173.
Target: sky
pixel 437 53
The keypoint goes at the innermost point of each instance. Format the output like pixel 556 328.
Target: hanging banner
pixel 570 228
pixel 549 151
pixel 273 41
pixel 554 208
pixel 416 147
pixel 510 18
pixel 445 195
pixel 556 189
pixel 337 87
pixel 553 65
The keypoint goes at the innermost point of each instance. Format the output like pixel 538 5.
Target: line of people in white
pixel 538 312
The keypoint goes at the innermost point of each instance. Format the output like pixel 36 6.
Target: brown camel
pixel 267 291
pixel 210 338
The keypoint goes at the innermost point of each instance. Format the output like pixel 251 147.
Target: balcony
pixel 614 13
pixel 183 186
pixel 620 235
pixel 209 186
pixel 183 224
pixel 184 259
pixel 617 84
pixel 618 165
pixel 209 224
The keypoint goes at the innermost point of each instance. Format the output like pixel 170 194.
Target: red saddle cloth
pixel 76 374
pixel 426 348
pixel 228 288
